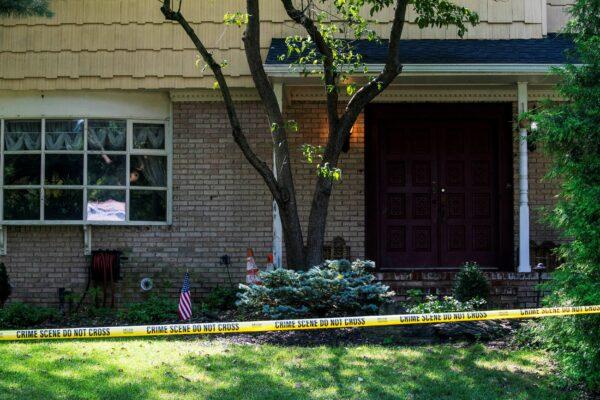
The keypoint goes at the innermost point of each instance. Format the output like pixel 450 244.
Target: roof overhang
pixel 439 74
pixel 289 70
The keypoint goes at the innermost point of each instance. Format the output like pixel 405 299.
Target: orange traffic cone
pixel 269 266
pixel 251 269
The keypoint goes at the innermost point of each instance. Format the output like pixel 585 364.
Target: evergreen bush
pixel 5 288
pixel 569 132
pixel 337 288
pixel 25 8
pixel 471 283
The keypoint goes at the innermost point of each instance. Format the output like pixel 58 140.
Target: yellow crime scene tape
pixel 289 324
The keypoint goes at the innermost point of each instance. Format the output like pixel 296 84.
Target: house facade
pixel 112 138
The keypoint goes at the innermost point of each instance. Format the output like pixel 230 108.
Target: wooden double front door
pixel 439 185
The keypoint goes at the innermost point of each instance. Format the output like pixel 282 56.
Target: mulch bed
pixel 495 333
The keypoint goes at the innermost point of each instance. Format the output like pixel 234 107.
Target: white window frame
pixel 128 152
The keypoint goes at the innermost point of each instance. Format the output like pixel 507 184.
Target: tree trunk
pixel 292 237
pixel 317 222
pixel 281 183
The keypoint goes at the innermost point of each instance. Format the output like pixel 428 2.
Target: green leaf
pixel 292 125
pixel 351 89
pixel 236 18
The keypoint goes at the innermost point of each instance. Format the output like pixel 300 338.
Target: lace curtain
pixel 155 171
pixel 64 135
pixel 148 137
pixel 22 135
pixel 152 168
pixel 106 135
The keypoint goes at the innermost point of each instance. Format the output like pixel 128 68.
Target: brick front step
pixel 508 289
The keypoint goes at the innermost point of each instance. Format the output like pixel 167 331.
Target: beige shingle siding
pixel 558 14
pixel 127 44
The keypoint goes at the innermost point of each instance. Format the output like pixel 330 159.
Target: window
pixel 80 171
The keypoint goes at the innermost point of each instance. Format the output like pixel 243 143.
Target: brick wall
pixel 508 289
pixel 347 207
pixel 221 206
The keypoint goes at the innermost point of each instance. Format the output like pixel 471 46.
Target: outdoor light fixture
pixel 540 268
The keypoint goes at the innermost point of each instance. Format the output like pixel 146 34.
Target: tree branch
pixel 390 71
pixel 237 132
pixel 331 75
pixel 251 40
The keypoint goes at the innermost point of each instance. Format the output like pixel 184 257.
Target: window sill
pixel 85 223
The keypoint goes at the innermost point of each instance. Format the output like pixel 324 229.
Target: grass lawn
pixel 202 369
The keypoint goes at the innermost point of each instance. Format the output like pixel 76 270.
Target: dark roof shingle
pixel 549 50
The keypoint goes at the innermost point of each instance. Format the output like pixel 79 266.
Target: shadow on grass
pixel 425 373
pixel 270 372
pixel 35 375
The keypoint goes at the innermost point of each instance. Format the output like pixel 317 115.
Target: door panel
pixel 407 214
pixel 468 193
pixel 438 186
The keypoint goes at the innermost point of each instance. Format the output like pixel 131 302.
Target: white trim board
pixel 85 103
pixel 287 70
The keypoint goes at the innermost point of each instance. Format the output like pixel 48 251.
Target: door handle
pixel 442 208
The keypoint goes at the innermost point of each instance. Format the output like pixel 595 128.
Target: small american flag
pixel 185 300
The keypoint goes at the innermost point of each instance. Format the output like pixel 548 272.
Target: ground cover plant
pixel 154 309
pixel 21 315
pixel 434 304
pixel 219 369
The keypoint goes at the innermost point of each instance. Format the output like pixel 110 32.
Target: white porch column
pixel 524 263
pixel 277 228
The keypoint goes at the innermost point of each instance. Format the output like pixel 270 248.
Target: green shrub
pixel 568 132
pixel 337 288
pixel 471 284
pixel 20 315
pixel 220 299
pixel 527 335
pixel 414 297
pixel 155 309
pixel 433 304
pixel 5 289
